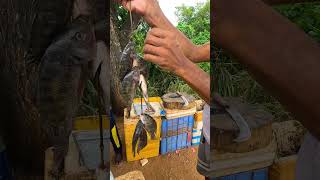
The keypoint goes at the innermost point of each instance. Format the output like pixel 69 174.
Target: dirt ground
pixel 175 166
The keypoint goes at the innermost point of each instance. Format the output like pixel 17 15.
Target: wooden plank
pixel 231 163
pixel 224 130
pixel 176 113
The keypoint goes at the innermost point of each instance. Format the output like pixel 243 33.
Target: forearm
pixel 197 79
pixel 202 53
pixel 286 61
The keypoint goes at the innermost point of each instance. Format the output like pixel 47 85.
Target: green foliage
pixel 306 16
pixel 234 80
pixel 194 22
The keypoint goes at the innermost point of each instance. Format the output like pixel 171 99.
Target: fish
pixel 129 85
pixel 143 140
pixel 63 73
pixel 144 90
pixel 136 136
pixel 125 62
pixel 146 124
pixel 149 124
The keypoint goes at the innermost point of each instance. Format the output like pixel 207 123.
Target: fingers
pixel 152 58
pixel 126 4
pixel 150 49
pixel 160 33
pixel 154 40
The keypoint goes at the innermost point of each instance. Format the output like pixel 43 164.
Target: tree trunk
pixel 20 119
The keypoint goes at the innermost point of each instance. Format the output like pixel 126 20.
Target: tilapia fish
pixel 140 138
pixel 129 85
pixel 125 62
pixel 144 90
pixel 133 73
pixel 136 136
pixel 143 141
pixel 149 124
pixel 63 73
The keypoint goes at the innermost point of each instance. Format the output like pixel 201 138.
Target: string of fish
pixel 146 122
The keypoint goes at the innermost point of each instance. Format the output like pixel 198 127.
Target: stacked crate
pixel 176 130
pixel 197 128
pixel 130 123
pixel 260 174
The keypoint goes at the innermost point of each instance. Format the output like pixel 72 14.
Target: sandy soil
pixel 175 166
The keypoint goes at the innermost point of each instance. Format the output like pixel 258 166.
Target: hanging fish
pixel 144 90
pixel 128 87
pixel 143 140
pixel 64 71
pixel 136 136
pixel 144 125
pixel 149 124
pixel 125 62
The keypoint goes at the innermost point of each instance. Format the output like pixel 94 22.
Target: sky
pixel 168 7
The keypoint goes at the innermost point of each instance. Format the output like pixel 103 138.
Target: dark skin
pixel 169 48
pixel 279 55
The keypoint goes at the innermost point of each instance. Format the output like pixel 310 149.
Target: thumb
pixel 128 4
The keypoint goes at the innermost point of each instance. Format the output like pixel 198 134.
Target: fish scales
pixel 63 73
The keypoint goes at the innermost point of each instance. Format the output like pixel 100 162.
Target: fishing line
pixel 131 22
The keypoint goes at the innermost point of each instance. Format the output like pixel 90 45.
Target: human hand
pixel 149 9
pixel 162 48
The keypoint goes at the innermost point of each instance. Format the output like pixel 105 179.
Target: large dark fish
pixel 52 17
pixel 144 125
pixel 129 85
pixel 150 125
pixel 143 140
pixel 64 71
pixel 125 62
pixel 136 136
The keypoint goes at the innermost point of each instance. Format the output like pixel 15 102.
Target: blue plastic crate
pixel 163 146
pixel 260 174
pixel 176 133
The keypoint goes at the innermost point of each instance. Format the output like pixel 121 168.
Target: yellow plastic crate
pixel 90 123
pixel 152 148
pixel 198 116
pixel 283 168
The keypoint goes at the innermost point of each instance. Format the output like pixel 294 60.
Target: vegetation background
pixel 234 80
pixel 194 22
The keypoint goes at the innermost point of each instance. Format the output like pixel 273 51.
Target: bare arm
pixel 162 48
pixel 279 55
pixel 154 16
pixel 197 79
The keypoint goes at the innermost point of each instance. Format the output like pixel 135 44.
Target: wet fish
pixel 63 73
pixel 144 90
pixel 129 86
pixel 150 125
pixel 136 136
pixel 125 62
pixel 143 140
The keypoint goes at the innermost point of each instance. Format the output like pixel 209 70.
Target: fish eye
pixel 79 36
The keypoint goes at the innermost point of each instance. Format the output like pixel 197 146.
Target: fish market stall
pixel 171 127
pixel 142 131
